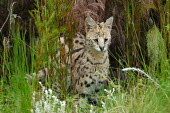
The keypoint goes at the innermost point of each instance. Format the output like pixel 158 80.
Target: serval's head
pixel 98 36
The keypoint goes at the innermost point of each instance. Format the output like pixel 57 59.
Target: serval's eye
pixel 105 40
pixel 96 40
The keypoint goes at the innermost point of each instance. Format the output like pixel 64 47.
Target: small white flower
pixel 91 110
pixel 104 106
pixel 62 109
pixel 110 93
pixel 113 90
pixel 46 94
pixel 50 91
pixel 47 103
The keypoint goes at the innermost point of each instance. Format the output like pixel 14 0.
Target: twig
pixel 4 23
pixel 8 17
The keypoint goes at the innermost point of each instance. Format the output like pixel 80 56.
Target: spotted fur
pixel 89 63
pixel 90 66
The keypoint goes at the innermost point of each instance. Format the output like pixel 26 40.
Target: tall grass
pixel 140 95
pixel 51 18
pixel 15 93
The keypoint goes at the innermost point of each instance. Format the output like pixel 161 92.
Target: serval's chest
pixel 89 69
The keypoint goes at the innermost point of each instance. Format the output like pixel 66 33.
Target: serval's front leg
pixel 41 76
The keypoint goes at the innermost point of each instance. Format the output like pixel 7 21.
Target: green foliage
pixel 51 18
pixel 156 48
pixel 50 21
pixel 16 92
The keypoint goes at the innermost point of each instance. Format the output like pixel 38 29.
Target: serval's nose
pixel 101 48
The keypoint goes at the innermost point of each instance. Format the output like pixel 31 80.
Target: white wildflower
pixel 50 91
pixel 48 102
pixel 63 105
pixel 91 109
pixel 104 106
pixel 110 93
pixel 46 94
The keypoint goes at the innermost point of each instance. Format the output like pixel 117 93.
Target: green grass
pixel 140 95
pixel 15 91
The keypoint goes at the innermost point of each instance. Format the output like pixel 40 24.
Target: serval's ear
pixel 109 22
pixel 90 24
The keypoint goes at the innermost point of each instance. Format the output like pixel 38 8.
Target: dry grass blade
pixel 84 8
